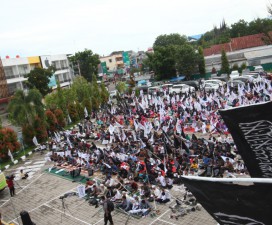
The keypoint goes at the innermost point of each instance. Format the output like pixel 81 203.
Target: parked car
pixel 214 81
pixel 211 87
pixel 153 90
pixel 222 78
pixel 244 79
pixel 234 73
pixel 235 83
pixel 192 83
pixel 258 68
pixel 181 88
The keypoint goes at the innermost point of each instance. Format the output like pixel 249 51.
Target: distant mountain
pixel 195 37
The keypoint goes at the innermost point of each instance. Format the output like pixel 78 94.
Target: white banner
pixel 81 191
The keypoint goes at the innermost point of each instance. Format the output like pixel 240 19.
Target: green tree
pixel 186 60
pixel 243 66
pixel 96 97
pixel 51 120
pixel 81 89
pixel 60 117
pixel 121 87
pixel 224 63
pixel 39 126
pixel 51 101
pixel 269 9
pixel 73 112
pixel 235 66
pixel 163 62
pixel 28 134
pixel 87 62
pixel 24 107
pixel 239 29
pixel 61 99
pixel 201 61
pixel 169 39
pixel 39 78
pixel 104 94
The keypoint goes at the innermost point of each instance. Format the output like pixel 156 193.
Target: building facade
pixel 114 61
pixel 13 70
pixel 251 50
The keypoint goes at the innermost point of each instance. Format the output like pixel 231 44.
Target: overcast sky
pixel 35 27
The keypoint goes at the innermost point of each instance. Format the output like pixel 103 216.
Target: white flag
pixel 143 145
pixel 35 141
pixel 11 156
pixel 69 142
pixel 85 112
pixel 69 119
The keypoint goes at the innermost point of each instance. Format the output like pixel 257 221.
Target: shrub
pixel 51 120
pixel 40 129
pixel 28 134
pixel 60 117
pixel 8 141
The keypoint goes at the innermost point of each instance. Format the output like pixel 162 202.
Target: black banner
pixel 232 203
pixel 251 129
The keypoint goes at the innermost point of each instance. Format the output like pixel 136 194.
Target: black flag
pixel 229 203
pixel 251 129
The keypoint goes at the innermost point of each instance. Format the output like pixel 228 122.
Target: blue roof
pixel 177 78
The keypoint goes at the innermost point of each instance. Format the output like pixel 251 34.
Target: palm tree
pixel 24 107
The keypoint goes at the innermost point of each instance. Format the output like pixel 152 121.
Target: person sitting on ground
pixel 23 175
pixel 169 182
pixel 135 206
pixel 145 207
pixel 228 166
pixel 161 179
pixel 124 204
pixel 89 187
pixel 111 182
pixel 194 167
pixel 165 197
pixel 117 195
pixel 156 192
pixel 239 168
pixel 95 191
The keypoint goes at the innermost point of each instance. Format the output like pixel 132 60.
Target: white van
pixel 234 73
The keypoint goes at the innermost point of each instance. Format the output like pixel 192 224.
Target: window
pixel 8 71
pixel 110 60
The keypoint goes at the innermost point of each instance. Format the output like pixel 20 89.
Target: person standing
pixel 11 185
pixel 107 211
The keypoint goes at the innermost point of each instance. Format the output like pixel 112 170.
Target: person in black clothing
pixel 107 211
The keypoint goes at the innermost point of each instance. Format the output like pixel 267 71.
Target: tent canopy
pixel 177 78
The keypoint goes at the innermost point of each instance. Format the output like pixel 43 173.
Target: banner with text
pixel 232 203
pixel 126 59
pixel 251 129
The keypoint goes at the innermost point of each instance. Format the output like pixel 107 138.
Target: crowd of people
pixel 143 144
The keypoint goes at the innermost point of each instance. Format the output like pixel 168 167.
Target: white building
pixel 16 68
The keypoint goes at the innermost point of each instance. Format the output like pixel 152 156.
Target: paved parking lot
pixel 40 197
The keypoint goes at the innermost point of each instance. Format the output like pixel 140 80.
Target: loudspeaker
pixel 26 218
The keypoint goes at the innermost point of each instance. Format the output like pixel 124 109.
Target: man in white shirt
pixel 161 179
pixel 239 168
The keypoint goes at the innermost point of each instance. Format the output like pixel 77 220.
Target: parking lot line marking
pixel 160 216
pixel 166 222
pixel 68 214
